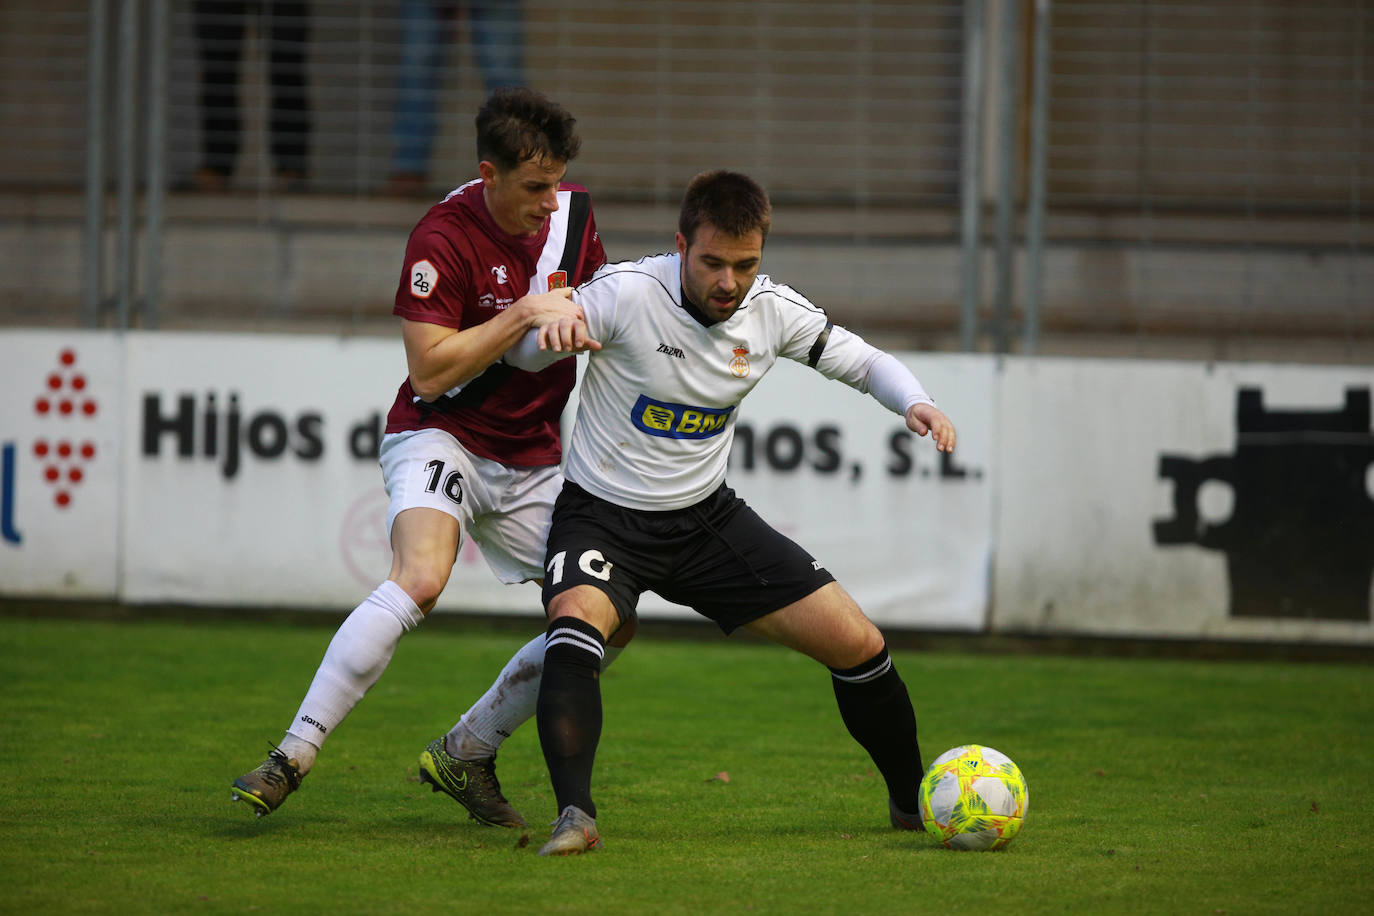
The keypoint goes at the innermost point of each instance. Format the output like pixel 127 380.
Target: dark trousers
pixel 220 26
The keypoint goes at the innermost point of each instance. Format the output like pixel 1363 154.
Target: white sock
pixel 507 704
pixel 357 655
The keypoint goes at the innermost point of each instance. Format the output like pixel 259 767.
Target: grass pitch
pixel 726 782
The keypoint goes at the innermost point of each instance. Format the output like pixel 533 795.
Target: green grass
pixel 1157 785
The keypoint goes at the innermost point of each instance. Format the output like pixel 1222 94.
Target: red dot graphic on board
pixel 65 393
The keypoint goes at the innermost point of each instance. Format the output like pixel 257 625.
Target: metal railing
pixel 1136 170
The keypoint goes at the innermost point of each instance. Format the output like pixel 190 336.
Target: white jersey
pixel 657 406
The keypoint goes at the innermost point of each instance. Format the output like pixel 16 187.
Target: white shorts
pixel 506 510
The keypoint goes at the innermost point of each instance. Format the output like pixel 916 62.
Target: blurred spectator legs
pixel 426 28
pixel 284 29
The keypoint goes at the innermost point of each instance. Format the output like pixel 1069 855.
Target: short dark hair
pixel 516 124
pixel 732 202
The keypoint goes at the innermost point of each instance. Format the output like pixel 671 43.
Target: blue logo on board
pixel 679 421
pixel 7 467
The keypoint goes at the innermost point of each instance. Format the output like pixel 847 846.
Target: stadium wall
pixel 1087 497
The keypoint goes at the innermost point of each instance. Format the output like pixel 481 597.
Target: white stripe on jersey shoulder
pixel 552 255
pixel 656 267
pixel 462 187
pixel 764 285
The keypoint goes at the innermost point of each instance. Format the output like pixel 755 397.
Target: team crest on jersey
pixel 558 279
pixel 739 365
pixel 424 277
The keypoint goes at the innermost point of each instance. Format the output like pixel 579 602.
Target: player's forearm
pixel 850 359
pixel 457 358
pixel 528 355
pixel 893 385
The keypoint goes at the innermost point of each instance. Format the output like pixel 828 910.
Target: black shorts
pixel 716 557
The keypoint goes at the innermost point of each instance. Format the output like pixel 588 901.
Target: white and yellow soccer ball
pixel 973 797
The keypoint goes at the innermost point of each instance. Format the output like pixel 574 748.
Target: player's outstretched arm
pixel 847 358
pixel 927 418
pixel 534 310
pixel 568 335
pixel 441 357
pixel 544 346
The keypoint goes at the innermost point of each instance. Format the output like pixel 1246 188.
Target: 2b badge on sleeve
pixel 423 279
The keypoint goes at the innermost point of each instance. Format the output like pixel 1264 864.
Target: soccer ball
pixel 973 797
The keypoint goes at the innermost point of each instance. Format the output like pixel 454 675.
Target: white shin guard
pixel 507 704
pixel 357 655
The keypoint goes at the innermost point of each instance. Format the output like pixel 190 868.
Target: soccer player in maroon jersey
pixel 472 445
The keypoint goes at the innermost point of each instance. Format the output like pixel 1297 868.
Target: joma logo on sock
pixel 309 721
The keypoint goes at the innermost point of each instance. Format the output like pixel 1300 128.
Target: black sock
pixel 569 710
pixel 877 711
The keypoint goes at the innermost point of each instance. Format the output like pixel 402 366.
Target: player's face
pixel 522 198
pixel 718 269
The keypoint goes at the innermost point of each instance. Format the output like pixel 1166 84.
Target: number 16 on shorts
pixel 452 482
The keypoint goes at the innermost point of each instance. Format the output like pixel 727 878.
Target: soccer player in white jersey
pixel 471 446
pixel 677 341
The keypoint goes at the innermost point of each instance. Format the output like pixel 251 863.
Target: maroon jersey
pixel 461 269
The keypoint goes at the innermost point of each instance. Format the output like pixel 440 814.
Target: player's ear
pixel 681 244
pixel 487 170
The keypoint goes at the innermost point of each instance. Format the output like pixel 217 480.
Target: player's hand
pixel 539 309
pixel 566 335
pixel 927 418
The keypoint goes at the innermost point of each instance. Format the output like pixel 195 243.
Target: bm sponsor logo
pixel 679 421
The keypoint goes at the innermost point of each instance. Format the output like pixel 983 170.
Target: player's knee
pixel 863 642
pixel 423 585
pixel 587 604
pixel 575 602
pixel 870 644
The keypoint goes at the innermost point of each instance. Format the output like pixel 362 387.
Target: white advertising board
pixel 239 467
pixel 252 479
pixel 59 463
pixel 906 532
pixel 1184 499
pixel 1096 497
pixel 252 475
